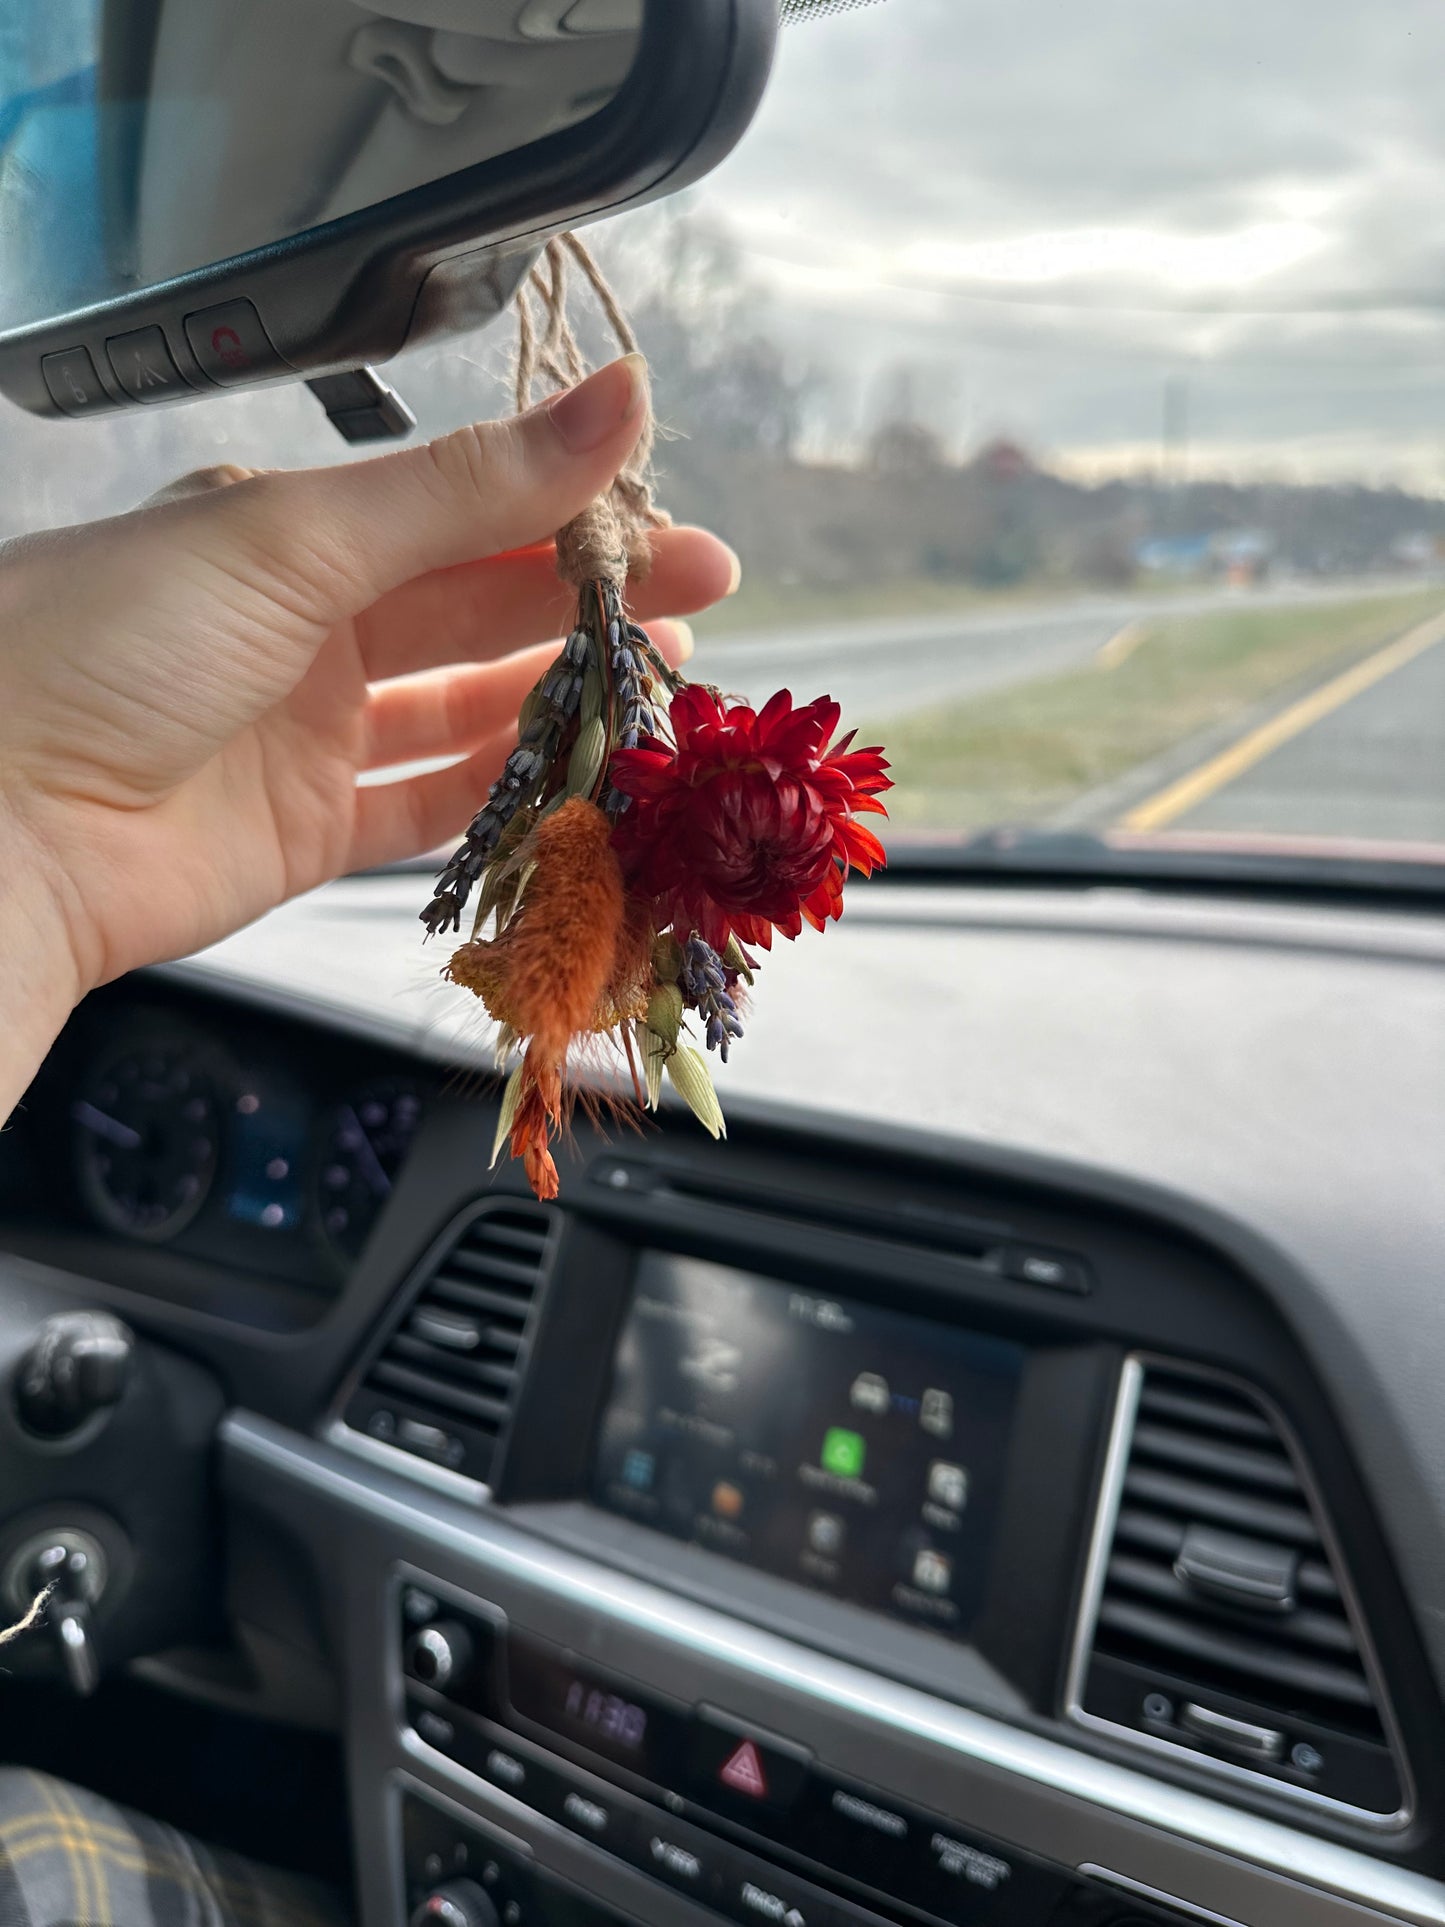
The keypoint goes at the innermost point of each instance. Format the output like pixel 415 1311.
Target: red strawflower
pixel 747 824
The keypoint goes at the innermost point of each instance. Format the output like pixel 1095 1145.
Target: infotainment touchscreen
pixel 854 1449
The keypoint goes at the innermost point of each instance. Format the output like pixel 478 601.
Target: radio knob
pixel 440 1655
pixel 460 1903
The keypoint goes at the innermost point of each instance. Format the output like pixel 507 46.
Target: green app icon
pixel 843 1452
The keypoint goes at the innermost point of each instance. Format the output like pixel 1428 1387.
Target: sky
pixel 1035 217
pixel 1049 209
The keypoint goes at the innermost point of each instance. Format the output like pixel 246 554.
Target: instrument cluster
pixel 244 1145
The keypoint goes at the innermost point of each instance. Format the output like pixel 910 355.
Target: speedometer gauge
pixel 364 1151
pixel 146 1142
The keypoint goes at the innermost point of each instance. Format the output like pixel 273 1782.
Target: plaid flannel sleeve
pixel 71 1859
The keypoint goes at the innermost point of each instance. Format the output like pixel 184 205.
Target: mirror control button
pixel 142 365
pixel 231 345
pixel 73 383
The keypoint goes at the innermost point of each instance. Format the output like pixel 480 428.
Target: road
pixel 1372 767
pixel 890 666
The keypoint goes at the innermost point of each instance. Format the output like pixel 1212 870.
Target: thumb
pixel 323 544
pixel 200 481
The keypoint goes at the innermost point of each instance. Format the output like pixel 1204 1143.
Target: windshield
pixel 1069 382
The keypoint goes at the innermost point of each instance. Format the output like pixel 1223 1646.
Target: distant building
pixel 1236 555
pixel 1003 461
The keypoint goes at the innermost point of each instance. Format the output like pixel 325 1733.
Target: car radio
pixel 743 1821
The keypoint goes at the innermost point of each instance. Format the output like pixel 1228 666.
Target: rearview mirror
pixel 196 194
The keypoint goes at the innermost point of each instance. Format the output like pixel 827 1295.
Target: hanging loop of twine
pixel 610 539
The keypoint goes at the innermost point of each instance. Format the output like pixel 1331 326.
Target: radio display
pixel 856 1450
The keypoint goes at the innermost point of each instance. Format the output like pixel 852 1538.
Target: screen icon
pixel 932 1571
pixel 935 1414
pixel 715 1365
pixel 639 1469
pixel 948 1485
pixel 826 1533
pixel 727 1500
pixel 870 1393
pixel 843 1452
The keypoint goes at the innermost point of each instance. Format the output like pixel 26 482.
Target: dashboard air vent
pixel 443 1382
pixel 1218 1618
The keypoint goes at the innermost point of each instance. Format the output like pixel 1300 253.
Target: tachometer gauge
pixel 365 1149
pixel 147 1132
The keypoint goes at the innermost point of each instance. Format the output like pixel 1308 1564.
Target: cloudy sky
pixel 1051 208
pixel 1045 212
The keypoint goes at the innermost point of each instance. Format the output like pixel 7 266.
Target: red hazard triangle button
pixel 728 1762
pixel 742 1771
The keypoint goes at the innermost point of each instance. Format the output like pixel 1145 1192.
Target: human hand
pixel 188 693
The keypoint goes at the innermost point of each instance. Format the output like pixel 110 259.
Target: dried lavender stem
pixel 558 696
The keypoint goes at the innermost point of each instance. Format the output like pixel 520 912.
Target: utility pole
pixel 1176 429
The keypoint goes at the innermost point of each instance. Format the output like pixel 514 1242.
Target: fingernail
pixel 585 416
pixel 685 641
pixel 735 579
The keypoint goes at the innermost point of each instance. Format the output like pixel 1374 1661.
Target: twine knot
pixel 610 539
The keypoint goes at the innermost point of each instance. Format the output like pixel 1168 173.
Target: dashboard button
pixel 505 1770
pixel 968 1880
pixel 418 1606
pixel 1028 1265
pixel 594 1819
pixel 74 386
pixel 684 1859
pixel 435 1730
pixel 143 366
pixel 231 345
pixel 739 1768
pixel 862 1834
pixel 752 1893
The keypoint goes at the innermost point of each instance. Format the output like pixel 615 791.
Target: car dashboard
pixel 1001 1484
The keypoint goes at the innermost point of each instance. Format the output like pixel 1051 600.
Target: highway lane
pixel 893 666
pixel 1374 767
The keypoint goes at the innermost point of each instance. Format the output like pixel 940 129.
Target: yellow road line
pixel 1167 805
pixel 1122 644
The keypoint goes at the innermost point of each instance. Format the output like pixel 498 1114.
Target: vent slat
pixel 431 1390
pixel 1194 1499
pixel 1323 1631
pixel 1228 1652
pixel 1270 1471
pixel 510 1305
pixel 1157 1401
pixel 443 1384
pixel 1212 1505
pixel 450 1365
pixel 493 1267
pixel 527 1241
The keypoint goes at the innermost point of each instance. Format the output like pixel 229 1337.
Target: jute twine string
pixel 610 539
pixel 32 1616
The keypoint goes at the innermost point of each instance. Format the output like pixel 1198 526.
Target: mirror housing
pixel 436 260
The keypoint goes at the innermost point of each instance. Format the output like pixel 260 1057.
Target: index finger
pixel 313 547
pixel 484 609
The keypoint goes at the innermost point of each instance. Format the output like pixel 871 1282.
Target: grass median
pixel 1025 754
pixel 761 607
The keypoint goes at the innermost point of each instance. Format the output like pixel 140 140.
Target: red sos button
pixel 230 344
pixel 230 350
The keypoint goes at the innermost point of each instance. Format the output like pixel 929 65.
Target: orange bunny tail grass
pixel 538 1116
pixel 552 975
pixel 545 975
